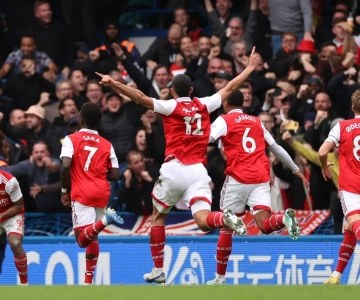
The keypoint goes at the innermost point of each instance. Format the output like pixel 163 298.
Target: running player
pixel 183 175
pixel 245 140
pixel 12 221
pixel 346 136
pixel 88 163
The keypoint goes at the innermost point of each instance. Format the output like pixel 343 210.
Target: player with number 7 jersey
pixel 183 175
pixel 88 163
pixel 346 135
pixel 245 140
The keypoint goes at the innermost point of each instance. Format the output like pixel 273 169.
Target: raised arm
pixel 235 84
pixel 135 95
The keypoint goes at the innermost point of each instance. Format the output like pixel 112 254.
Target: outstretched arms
pixel 135 95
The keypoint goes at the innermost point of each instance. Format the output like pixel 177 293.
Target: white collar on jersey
pixel 236 110
pixel 88 131
pixel 184 99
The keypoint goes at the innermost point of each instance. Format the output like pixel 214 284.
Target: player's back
pixel 89 166
pixel 244 145
pixel 349 155
pixel 187 131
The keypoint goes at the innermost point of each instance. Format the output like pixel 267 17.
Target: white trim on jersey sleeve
pixel 212 103
pixel 12 187
pixel 67 149
pixel 164 107
pixel 113 158
pixel 267 136
pixel 218 129
pixel 334 135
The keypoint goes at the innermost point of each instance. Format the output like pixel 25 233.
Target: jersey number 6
pixel 248 140
pixel 189 121
pixel 92 151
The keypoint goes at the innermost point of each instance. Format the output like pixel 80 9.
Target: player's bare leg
pixel 20 258
pixel 346 250
pixel 157 245
pixel 269 223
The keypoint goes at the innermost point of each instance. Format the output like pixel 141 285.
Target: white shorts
pixel 236 195
pixel 14 225
pixel 350 203
pixel 178 181
pixel 83 216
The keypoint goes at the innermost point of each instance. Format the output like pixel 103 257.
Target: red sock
pixel 90 233
pixel 355 227
pixel 21 266
pixel 157 244
pixel 93 250
pixel 274 223
pixel 223 250
pixel 347 248
pixel 215 220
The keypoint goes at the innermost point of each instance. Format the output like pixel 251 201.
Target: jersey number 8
pixel 356 147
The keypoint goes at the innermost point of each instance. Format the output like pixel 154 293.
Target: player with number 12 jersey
pixel 245 140
pixel 88 163
pixel 183 175
pixel 346 135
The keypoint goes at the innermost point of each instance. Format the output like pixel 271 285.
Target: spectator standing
pixel 290 16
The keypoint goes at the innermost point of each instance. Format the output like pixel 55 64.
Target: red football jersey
pixel 9 192
pixel 91 155
pixel 187 127
pixel 346 135
pixel 245 140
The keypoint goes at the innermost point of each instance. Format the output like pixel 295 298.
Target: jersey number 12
pixel 189 121
pixel 92 151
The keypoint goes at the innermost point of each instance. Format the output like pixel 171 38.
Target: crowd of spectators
pixel 309 52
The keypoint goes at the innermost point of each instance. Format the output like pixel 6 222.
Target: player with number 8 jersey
pixel 183 175
pixel 88 163
pixel 346 135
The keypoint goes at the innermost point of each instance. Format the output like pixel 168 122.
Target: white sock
pixel 283 220
pixel 159 270
pixel 104 221
pixel 336 274
pixel 220 278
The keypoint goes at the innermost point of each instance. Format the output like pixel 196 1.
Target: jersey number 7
pixel 92 151
pixel 189 121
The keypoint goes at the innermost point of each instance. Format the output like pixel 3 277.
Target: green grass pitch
pixel 149 292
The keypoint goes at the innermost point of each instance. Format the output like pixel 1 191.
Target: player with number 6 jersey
pixel 183 175
pixel 245 140
pixel 346 135
pixel 88 163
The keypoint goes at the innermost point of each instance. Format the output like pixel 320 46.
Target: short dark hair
pixel 131 153
pixel 181 85
pixel 30 57
pixel 40 2
pixel 338 20
pixel 91 114
pixel 236 99
pixel 62 102
pixel 73 71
